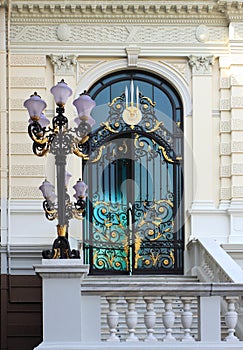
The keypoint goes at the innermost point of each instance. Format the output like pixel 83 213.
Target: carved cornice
pixel 120 11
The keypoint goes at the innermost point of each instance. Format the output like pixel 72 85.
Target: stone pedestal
pixel 62 314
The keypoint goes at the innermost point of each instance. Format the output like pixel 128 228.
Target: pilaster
pixel 202 86
pixel 231 148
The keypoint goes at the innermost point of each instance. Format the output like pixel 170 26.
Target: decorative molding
pixel 237 147
pixel 114 33
pixel 84 66
pixel 224 104
pixel 21 148
pixel 63 32
pixel 161 69
pixel 237 79
pixel 225 126
pixel 27 60
pixel 237 124
pixel 17 103
pixel 225 193
pixel 28 170
pixel 224 82
pixel 202 33
pixel 33 82
pixel 237 102
pixel 64 65
pixel 22 192
pixel 237 192
pixel 237 169
pixel 201 65
pixel 225 171
pixel 225 149
pixel 132 56
pixel 18 127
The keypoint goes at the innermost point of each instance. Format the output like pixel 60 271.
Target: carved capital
pixel 132 56
pixel 63 65
pixel 201 65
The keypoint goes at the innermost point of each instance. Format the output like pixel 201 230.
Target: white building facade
pixel 196 48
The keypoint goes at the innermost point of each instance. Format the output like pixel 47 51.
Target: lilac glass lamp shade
pixel 67 178
pixel 43 121
pixel 48 191
pixel 80 187
pixel 84 105
pixel 61 92
pixel 35 106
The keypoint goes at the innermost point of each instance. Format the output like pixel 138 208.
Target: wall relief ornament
pixel 202 33
pixel 63 65
pixel 63 32
pixel 201 64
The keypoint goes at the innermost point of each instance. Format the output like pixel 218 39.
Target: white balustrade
pixel 150 319
pixel 112 319
pixel 162 313
pixel 186 319
pixel 231 318
pixel 131 319
pixel 168 319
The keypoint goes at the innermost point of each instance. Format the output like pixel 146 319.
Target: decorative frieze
pixel 201 64
pixel 63 65
pixel 238 30
pixel 112 33
pixel 28 82
pixel 27 60
pixel 63 32
pixel 22 192
pixel 202 33
pixel 17 103
pixel 28 170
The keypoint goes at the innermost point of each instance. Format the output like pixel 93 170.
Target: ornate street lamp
pixel 60 140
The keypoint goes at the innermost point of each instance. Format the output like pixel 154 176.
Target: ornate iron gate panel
pixel 135 211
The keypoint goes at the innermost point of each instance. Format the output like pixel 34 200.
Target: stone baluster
pixel 112 319
pixel 186 319
pixel 150 319
pixel 131 319
pixel 231 318
pixel 168 319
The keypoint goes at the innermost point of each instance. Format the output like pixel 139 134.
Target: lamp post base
pixel 61 250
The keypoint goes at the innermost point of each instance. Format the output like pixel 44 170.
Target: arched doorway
pixel 134 220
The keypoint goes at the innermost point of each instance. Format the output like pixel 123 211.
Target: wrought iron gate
pixel 135 211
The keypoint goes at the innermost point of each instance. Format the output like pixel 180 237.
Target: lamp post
pixel 60 140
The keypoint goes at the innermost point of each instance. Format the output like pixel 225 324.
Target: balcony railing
pixel 149 311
